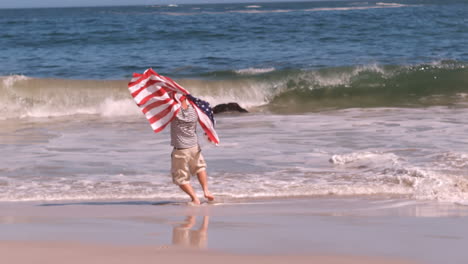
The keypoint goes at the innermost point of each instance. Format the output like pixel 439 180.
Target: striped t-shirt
pixel 184 128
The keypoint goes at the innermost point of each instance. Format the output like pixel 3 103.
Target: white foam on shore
pixel 357 174
pixel 425 183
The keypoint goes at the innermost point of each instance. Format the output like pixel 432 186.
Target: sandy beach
pixel 321 230
pixel 77 253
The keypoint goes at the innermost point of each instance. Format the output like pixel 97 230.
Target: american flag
pixel 159 99
pixel 204 106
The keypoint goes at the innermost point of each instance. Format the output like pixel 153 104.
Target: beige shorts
pixel 186 162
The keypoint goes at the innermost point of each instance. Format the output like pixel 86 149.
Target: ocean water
pixel 345 98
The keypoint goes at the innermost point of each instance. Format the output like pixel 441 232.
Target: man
pixel 186 157
pixel 163 101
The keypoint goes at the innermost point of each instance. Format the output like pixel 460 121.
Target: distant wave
pixel 251 71
pixel 389 4
pixel 254 9
pixel 377 5
pixel 259 89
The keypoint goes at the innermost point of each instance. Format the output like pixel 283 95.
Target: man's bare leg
pixel 203 179
pixel 187 188
pixel 204 227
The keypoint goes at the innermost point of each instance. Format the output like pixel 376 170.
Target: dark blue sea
pixel 345 98
pixel 205 41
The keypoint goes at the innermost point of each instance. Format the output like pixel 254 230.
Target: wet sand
pixel 320 230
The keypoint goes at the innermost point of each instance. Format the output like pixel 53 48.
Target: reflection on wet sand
pixel 184 234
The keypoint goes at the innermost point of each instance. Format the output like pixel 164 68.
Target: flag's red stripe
pixel 159 92
pixel 155 104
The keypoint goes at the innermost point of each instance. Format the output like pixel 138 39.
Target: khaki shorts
pixel 186 162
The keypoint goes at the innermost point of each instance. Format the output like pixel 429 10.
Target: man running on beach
pixel 186 158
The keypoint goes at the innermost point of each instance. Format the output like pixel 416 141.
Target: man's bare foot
pixel 194 203
pixel 209 196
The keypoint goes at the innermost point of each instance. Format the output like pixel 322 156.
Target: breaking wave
pixel 258 89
